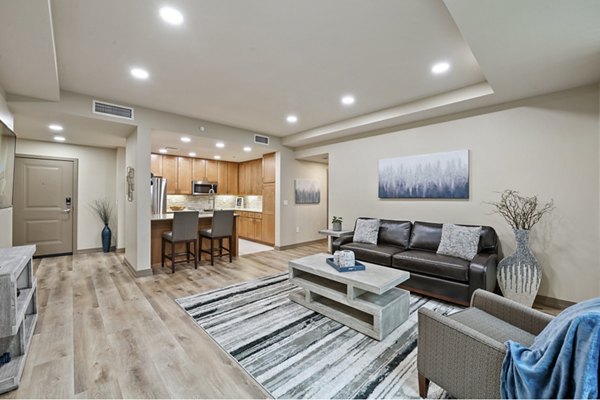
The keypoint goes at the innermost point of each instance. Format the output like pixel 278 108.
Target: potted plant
pixel 520 275
pixel 103 209
pixel 336 222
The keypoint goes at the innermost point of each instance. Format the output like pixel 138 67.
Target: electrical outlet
pixel 297 229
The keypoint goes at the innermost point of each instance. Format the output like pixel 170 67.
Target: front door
pixel 43 205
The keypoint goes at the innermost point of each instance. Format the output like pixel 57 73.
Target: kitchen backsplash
pixel 221 201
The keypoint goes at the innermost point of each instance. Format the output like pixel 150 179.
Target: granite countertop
pixel 169 216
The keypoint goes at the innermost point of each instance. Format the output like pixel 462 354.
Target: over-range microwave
pixel 200 188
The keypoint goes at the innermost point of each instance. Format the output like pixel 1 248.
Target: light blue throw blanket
pixel 562 362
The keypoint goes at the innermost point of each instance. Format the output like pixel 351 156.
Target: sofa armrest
pixel 461 360
pixel 482 272
pixel 516 314
pixel 335 245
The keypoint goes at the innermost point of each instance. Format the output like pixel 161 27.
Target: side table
pixel 333 234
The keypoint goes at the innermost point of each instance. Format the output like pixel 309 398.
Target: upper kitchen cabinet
pixel 198 169
pixel 184 175
pixel 257 179
pixel 169 172
pixel 212 170
pixel 232 177
pixel 222 178
pixel 250 177
pixel 156 164
pixel 268 168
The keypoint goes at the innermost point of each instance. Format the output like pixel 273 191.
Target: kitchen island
pixel 164 222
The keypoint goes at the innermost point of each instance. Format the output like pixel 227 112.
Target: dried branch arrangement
pixel 519 211
pixel 103 209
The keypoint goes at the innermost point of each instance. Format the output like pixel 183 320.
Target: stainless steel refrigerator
pixel 158 193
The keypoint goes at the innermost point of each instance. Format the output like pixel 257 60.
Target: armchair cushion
pixel 491 326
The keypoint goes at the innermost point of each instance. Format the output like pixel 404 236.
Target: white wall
pixel 308 219
pixel 6 116
pixel 121 196
pixel 96 180
pixel 547 146
pixel 131 206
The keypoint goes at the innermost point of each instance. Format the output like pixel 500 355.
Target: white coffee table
pixel 367 301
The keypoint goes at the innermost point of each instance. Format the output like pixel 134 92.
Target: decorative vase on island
pixel 337 226
pixel 106 238
pixel 519 275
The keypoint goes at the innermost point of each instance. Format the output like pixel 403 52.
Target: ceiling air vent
pixel 113 110
pixel 261 139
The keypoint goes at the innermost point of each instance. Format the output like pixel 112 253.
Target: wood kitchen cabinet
pixel 212 170
pixel 268 214
pixel 184 175
pixel 156 164
pixel 198 169
pixel 222 177
pixel 232 177
pixel 268 168
pixel 250 177
pixel 169 172
pixel 250 225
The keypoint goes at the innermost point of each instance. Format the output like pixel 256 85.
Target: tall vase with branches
pixel 520 275
pixel 103 208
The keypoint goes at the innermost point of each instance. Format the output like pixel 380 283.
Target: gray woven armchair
pixel 463 352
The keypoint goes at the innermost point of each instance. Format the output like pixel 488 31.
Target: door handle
pixel 67 210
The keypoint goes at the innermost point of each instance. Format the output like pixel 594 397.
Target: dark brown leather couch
pixel 412 247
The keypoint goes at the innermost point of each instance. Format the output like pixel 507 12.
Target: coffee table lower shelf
pixel 373 315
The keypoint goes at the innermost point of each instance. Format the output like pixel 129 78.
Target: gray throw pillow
pixel 459 241
pixel 366 231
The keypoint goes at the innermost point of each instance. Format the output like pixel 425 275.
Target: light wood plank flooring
pixel 103 334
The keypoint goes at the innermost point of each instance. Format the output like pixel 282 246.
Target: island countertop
pixel 169 216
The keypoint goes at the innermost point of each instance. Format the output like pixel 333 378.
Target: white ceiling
pixel 250 63
pixel 205 147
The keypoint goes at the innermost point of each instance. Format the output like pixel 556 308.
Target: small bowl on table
pixel 177 208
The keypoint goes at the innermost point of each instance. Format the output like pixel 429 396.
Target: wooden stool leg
pixel 187 250
pixel 173 257
pixel 423 386
pixel 229 243
pixel 195 254
pixel 162 253
pixel 212 251
pixel 220 248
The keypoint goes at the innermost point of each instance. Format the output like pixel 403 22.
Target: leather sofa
pixel 412 247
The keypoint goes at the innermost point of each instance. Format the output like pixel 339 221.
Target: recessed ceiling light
pixel 186 139
pixel 192 154
pixel 247 149
pixel 59 138
pixel 55 127
pixel 217 157
pixel 292 119
pixel 171 15
pixel 162 151
pixel 220 145
pixel 440 68
pixel 347 100
pixel 139 73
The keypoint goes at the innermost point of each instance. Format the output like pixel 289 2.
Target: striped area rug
pixel 294 352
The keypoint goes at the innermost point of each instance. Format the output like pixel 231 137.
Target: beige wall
pixel 5 213
pixel 96 179
pixel 299 223
pixel 547 146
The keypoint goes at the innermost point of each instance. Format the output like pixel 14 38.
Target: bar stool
pixel 222 228
pixel 185 228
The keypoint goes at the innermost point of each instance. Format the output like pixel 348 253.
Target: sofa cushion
pixel 376 254
pixel 396 233
pixel 459 241
pixel 426 262
pixel 425 236
pixel 366 231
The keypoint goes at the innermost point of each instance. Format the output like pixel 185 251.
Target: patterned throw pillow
pixel 366 231
pixel 459 241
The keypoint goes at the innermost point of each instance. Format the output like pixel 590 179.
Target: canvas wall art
pixel 427 176
pixel 307 191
